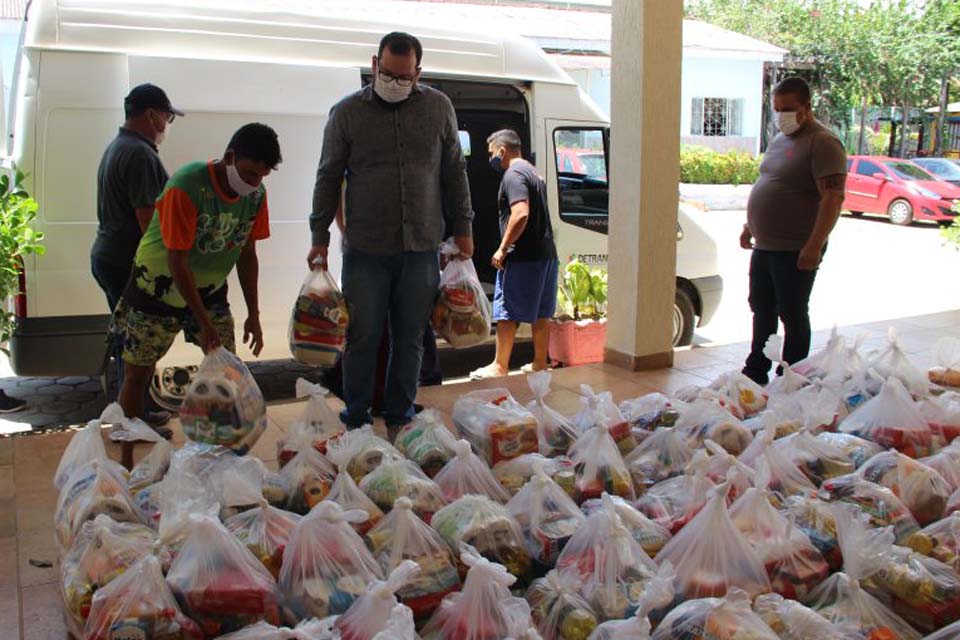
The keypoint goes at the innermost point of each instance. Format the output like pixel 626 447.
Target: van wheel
pixel 900 212
pixel 684 319
pixel 169 386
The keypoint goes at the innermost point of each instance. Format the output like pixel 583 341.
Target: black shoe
pixel 11 405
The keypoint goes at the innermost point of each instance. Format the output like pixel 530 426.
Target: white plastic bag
pixel 881 504
pixel 317 425
pixel 947 355
pixel 744 396
pixel 891 419
pixel 223 405
pixel 558 609
pixel 497 426
pixel 650 535
pixel 85 446
pixel 318 325
pixel 706 419
pixel 726 617
pixel 663 455
pixel 776 473
pixel 921 489
pixel 789 381
pixel 265 531
pixel 427 441
pixel 546 515
pixel 400 625
pixel 790 620
pixel 817 459
pixel 467 473
pixel 858 449
pixel 151 468
pixel 599 466
pixel 675 501
pixel 348 495
pixel 657 595
pixel 940 540
pixel 947 464
pixel 652 411
pixel 360 451
pixel 893 362
pixel 306 480
pixel 462 314
pixel 833 361
pixel 368 615
pixel 127 429
pixel 942 413
pixel 556 433
pixel 403 478
pixel 599 408
pixel 98 487
pixel 515 473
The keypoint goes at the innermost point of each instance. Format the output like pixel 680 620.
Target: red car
pixel 898 189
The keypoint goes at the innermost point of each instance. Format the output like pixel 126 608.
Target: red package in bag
pixel 318 325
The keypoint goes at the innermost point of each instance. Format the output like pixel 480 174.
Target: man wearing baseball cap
pixel 129 180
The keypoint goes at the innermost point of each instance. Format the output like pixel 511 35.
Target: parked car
pixel 947 169
pixel 899 189
pixel 582 162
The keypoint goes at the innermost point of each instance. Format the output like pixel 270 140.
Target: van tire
pixel 900 212
pixel 684 319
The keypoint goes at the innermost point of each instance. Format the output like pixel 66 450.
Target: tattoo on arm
pixel 835 182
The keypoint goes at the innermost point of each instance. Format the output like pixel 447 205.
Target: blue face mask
pixel 496 163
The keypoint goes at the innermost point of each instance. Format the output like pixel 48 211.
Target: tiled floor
pixel 29 597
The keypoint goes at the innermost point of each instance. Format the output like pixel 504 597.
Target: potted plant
pixel 579 331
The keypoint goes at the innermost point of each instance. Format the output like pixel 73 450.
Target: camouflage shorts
pixel 147 337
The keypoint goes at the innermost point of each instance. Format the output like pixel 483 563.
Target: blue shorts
pixel 526 291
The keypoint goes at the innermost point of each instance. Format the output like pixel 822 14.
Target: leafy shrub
pixel 17 239
pixel 699 165
pixel 582 292
pixel 951 233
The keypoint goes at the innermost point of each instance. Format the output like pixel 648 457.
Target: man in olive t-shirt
pixel 793 207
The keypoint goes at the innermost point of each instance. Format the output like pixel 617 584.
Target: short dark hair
pixel 793 86
pixel 400 43
pixel 506 138
pixel 256 142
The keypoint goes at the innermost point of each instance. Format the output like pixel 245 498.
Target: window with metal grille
pixel 716 117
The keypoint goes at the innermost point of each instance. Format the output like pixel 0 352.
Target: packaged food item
pixel 892 362
pixel 651 412
pixel 721 467
pixel 599 466
pixel 467 473
pixel 485 609
pixel 427 441
pixel 664 454
pixel 306 480
pixel 103 550
pixel 403 536
pixel 462 314
pixel 780 476
pixel 942 413
pixel 487 527
pixel 223 405
pixel 657 595
pixel 818 459
pixel 708 420
pixel 789 381
pixel 946 353
pixel 317 425
pixel 266 631
pixel 892 420
pixel 599 408
pixel 858 449
pixel 790 620
pixel 940 540
pixel 139 604
pixel 396 478
pixel 151 468
pixel 318 325
pixel 265 531
pixel 546 515
pixel 840 598
pixel 782 418
pixel 239 483
pixel 368 615
pixel 919 487
pixel 612 568
pixel 127 429
pixel 950 632
pixel 650 535
pixel 814 518
pixel 881 504
pixel 148 501
pixel 675 501
pixel 219 583
pixel 98 487
pixel 729 616
pixel 744 396
pixel 348 495
pixel 326 565
pixel 85 446
pixel 555 433
pixel 863 385
pixel 514 474
pixel 558 609
pixel 497 426
pixel 360 451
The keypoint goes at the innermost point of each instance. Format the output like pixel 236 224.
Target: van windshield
pixel 908 171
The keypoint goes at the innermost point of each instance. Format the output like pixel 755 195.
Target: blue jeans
pixel 399 289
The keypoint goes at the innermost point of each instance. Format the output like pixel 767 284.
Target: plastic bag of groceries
pixel 98 487
pixel 729 616
pixel 647 533
pixel 840 598
pixel 85 446
pixel 921 489
pixel 745 398
pixel 265 531
pixel 326 565
pixel 672 503
pixel 462 315
pixel 891 419
pixel 858 449
pixel 657 595
pixel 139 604
pixel 611 567
pixel 103 550
pixel 497 426
pixel 599 408
pixel 266 631
pixel 556 433
pixel 814 517
pixel 776 473
pixel 151 467
pixel 599 466
pixel 818 460
pixel 400 625
pixel 789 380
pixel 515 473
pixel 648 413
pixel 425 441
pixel 219 583
pixel 546 515
pixel 350 497
pixel 790 620
pixel 823 404
pixel 485 609
pixel 306 480
pixel 317 425
pixel 127 429
pixel 223 404
pixel 403 478
pixel 487 527
pixel 467 473
pixel 881 504
pixel 664 454
pixel 946 353
pixel 782 417
pixel 942 413
pixel 723 467
pixel 833 361
pixel 557 608
pixel 360 451
pixel 940 541
pixel 892 362
pixel 403 536
pixel 863 385
pixel 708 420
pixel 238 485
pixel 318 325
pixel 368 614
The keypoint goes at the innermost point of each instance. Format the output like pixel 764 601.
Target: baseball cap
pixel 149 96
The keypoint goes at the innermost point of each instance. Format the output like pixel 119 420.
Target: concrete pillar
pixel 645 174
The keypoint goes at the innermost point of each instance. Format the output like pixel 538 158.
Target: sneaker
pixel 10 405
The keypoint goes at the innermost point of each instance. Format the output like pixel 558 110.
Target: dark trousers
pixel 113 280
pixel 779 291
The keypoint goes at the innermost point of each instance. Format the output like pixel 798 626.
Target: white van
pixel 229 63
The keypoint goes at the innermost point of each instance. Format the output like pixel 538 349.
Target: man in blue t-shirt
pixel 526 261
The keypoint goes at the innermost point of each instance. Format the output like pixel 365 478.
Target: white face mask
pixel 237 183
pixel 787 122
pixel 391 91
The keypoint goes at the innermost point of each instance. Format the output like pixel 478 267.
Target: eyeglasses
pixel 171 117
pixel 402 81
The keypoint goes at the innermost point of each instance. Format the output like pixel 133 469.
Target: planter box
pixel 577 342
